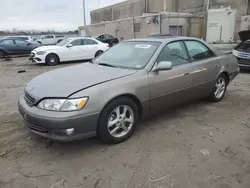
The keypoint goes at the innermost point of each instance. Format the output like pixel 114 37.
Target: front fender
pixel 100 95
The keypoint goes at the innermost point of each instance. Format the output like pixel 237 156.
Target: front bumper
pixel 37 58
pixel 53 125
pixel 243 59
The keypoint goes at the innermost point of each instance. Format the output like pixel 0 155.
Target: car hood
pixel 244 35
pixel 46 48
pixel 64 82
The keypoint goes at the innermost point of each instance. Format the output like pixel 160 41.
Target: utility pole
pixel 84 12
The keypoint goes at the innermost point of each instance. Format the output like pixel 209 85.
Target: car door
pixel 89 48
pixel 22 46
pixel 72 53
pixel 9 46
pixel 206 67
pixel 170 87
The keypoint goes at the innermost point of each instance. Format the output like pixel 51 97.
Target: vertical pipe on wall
pixel 133 22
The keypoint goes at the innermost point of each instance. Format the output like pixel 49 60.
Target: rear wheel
pixel 52 59
pixel 1 54
pixel 220 88
pixel 118 121
pixel 113 43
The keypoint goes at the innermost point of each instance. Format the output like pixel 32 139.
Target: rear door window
pixel 89 42
pixel 198 51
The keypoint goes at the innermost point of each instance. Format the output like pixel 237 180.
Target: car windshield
pixel 131 55
pixel 63 42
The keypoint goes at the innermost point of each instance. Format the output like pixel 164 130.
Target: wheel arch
pixel 130 96
pixel 226 74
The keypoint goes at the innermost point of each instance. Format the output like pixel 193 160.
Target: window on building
pixel 117 34
pixel 175 30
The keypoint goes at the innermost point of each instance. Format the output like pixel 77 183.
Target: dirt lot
pixel 201 145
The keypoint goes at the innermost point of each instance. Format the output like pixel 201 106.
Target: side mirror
pixel 164 65
pixel 69 45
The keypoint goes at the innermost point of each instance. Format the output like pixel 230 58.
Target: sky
pixel 60 15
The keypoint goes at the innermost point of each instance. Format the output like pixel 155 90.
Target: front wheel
pixel 52 59
pixel 118 121
pixel 220 88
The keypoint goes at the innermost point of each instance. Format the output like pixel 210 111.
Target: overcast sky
pixel 47 14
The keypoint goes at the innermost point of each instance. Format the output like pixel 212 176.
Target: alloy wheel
pixel 120 121
pixel 220 88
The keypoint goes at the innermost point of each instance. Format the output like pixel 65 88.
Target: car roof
pixel 16 36
pixel 12 38
pixel 162 39
pixel 74 38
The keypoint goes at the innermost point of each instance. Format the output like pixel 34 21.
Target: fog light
pixel 69 131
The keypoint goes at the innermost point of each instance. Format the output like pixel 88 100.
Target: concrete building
pixel 134 8
pixel 165 23
pixel 138 18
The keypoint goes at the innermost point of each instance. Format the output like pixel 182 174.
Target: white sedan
pixel 71 49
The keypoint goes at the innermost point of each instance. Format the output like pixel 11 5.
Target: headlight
pixel 41 53
pixel 63 104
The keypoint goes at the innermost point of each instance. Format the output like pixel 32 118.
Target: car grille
pixel 29 99
pixel 36 128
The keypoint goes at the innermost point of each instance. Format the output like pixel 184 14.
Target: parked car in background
pixel 108 39
pixel 16 46
pixel 50 39
pixel 128 82
pixel 242 51
pixel 26 38
pixel 72 49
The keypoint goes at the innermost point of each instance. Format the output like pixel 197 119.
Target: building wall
pixel 144 26
pixel 133 8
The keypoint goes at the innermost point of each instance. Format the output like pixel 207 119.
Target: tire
pixel 216 97
pixel 52 59
pixel 113 44
pixel 2 54
pixel 98 53
pixel 124 128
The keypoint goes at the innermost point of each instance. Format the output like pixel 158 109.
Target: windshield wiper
pixel 106 64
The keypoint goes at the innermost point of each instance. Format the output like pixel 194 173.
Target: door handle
pixel 217 66
pixel 187 73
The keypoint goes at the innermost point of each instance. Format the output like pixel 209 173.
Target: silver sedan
pixel 136 78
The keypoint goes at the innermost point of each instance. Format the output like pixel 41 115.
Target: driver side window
pixel 77 42
pixel 174 52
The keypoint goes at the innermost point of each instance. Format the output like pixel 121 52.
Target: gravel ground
pixel 200 145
